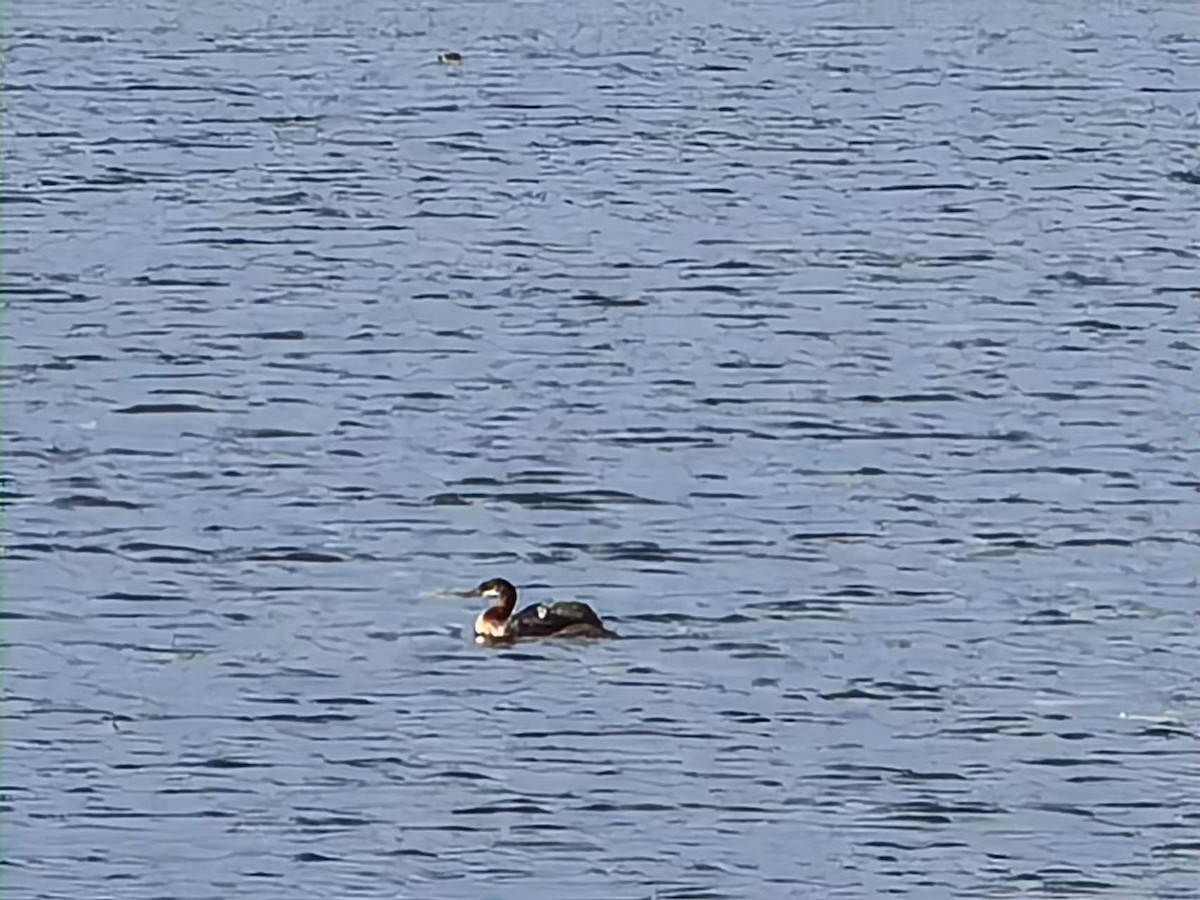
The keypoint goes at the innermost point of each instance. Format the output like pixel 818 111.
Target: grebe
pixel 497 622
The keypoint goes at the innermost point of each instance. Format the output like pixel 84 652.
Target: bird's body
pixel 565 620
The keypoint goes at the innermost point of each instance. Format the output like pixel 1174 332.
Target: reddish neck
pixel 504 606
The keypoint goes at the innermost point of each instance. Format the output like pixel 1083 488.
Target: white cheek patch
pixel 543 612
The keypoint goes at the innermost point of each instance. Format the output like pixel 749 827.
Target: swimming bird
pixel 449 58
pixel 497 623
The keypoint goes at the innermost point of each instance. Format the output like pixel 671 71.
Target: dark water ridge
pixel 841 355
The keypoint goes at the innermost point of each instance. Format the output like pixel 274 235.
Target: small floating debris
pixel 449 58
